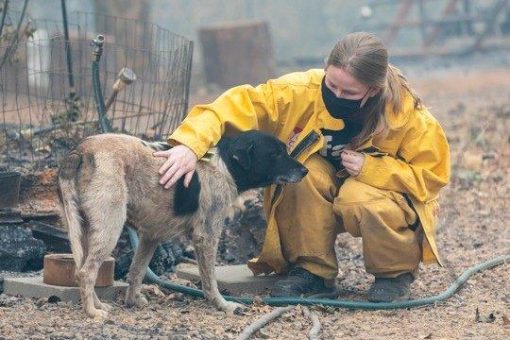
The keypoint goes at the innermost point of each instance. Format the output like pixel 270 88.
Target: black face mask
pixel 340 108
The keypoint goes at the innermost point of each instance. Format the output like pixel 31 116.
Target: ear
pixel 371 93
pixel 243 156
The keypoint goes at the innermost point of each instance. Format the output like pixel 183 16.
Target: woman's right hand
pixel 181 161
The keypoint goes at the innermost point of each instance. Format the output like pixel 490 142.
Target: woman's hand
pixel 181 161
pixel 352 161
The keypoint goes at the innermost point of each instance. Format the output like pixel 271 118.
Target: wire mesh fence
pixel 43 116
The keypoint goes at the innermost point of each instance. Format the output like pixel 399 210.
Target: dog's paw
pixel 101 305
pixel 139 301
pixel 97 313
pixel 105 307
pixel 232 308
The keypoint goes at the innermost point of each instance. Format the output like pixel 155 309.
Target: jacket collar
pixel 398 119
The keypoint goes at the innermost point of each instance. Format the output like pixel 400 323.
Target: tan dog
pixel 110 179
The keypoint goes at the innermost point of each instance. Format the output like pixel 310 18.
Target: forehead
pixel 342 78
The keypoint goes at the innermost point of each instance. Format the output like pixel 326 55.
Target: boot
pixel 391 289
pixel 298 282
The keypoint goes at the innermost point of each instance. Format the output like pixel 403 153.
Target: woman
pixel 377 160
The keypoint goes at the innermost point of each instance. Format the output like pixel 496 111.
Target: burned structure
pixel 438 27
pixel 47 105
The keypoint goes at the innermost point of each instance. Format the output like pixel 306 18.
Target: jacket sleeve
pixel 239 109
pixel 422 165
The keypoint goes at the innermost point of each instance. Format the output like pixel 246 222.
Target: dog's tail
pixel 71 217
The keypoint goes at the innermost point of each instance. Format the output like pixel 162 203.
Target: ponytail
pixel 397 88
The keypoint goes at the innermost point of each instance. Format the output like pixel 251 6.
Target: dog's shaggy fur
pixel 110 179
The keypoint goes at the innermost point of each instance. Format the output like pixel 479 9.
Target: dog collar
pixel 212 156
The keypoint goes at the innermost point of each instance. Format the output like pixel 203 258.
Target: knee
pixel 355 202
pixel 353 191
pixel 321 177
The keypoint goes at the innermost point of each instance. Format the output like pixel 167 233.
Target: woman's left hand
pixel 352 161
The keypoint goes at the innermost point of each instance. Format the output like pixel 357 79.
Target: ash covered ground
pixel 473 105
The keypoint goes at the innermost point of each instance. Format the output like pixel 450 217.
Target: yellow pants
pixel 315 210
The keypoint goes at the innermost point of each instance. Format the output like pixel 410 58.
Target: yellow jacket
pixel 412 158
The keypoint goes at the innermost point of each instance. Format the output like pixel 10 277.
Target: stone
pixel 236 279
pixel 19 250
pixel 34 287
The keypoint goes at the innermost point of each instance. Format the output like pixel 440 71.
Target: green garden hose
pixel 454 287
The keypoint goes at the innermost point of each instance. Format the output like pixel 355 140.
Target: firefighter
pixel 377 160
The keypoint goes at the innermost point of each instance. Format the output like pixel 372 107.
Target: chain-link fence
pixel 43 116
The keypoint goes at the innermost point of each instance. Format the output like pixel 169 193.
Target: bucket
pixel 59 270
pixel 9 189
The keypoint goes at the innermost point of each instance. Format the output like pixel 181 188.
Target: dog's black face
pixel 257 159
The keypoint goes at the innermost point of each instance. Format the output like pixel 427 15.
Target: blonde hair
pixel 365 57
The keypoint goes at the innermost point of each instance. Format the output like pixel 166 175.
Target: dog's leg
pixel 205 241
pixel 97 303
pixel 106 215
pixel 88 276
pixel 98 252
pixel 101 305
pixel 137 271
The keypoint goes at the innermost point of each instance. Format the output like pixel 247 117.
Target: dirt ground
pixel 473 104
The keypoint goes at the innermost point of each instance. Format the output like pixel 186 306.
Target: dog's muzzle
pixel 292 177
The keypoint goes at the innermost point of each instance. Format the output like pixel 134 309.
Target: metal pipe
pixel 16 37
pixel 395 26
pixel 489 25
pixel 125 77
pixel 67 46
pixel 104 124
pixel 450 7
pixel 468 25
pixel 4 14
pixel 423 19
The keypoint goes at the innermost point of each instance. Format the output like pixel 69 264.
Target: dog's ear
pixel 243 156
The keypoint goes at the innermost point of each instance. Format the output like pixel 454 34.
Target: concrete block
pixel 236 279
pixel 35 287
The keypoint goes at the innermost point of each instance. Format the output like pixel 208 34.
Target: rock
pixel 19 250
pixel 56 239
pixel 243 238
pixel 483 318
pixel 8 301
pixel 166 257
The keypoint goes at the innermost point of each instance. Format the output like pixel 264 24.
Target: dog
pixel 111 179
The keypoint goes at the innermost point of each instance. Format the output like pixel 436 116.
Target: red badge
pixel 291 143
